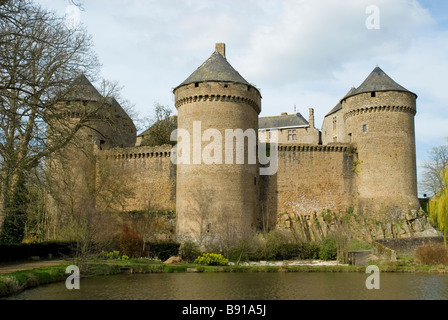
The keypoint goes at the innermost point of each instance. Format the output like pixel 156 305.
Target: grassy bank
pixel 20 280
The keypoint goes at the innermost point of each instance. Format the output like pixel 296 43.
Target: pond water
pixel 246 286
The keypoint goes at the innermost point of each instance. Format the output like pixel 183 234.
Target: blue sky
pixel 303 53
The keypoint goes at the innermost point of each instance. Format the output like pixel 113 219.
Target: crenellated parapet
pixel 222 98
pixel 315 148
pixel 376 109
pixel 134 153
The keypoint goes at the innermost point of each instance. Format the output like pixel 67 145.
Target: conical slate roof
pixel 215 68
pixel 378 80
pixel 82 89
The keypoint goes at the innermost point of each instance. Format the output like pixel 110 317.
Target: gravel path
pixel 15 266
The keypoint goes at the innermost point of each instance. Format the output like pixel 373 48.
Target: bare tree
pixel 39 60
pixel 434 169
pixel 160 128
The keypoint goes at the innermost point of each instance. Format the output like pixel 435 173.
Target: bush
pixel 15 252
pixel 114 255
pixel 328 249
pixel 432 254
pixel 163 250
pixel 189 251
pixel 212 259
pixel 131 243
pixel 302 251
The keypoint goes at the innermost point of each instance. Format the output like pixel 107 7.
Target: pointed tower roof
pixel 82 89
pixel 215 68
pixel 378 80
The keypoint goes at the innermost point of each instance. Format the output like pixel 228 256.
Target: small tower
pixel 106 123
pixel 379 119
pixel 216 201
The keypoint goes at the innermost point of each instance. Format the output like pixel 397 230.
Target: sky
pixel 299 53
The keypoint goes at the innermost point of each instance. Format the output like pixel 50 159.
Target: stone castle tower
pixel 216 199
pixel 361 161
pixel 379 122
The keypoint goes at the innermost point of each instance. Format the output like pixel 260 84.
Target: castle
pixel 362 161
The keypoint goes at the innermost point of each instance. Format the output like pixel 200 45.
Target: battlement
pixel 373 109
pixel 224 98
pixel 319 148
pixel 144 152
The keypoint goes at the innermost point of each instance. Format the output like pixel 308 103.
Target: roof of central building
pixel 215 68
pixel 283 121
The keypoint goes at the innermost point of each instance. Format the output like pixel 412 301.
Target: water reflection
pixel 247 286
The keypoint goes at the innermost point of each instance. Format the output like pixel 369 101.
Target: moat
pixel 247 286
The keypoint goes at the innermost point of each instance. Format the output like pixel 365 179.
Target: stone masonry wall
pixel 310 180
pixel 143 177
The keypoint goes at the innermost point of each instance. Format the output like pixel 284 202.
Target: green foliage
pixel 189 251
pixel 301 251
pixel 212 259
pixel 328 249
pixel 114 255
pixel 15 252
pixel 13 227
pixel 163 250
pixel 438 208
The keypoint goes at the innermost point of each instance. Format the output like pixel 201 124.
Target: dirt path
pixel 17 266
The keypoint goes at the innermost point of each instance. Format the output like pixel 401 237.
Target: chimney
pixel 221 49
pixel 311 121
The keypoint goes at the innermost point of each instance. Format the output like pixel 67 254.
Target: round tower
pixel 217 195
pixel 379 119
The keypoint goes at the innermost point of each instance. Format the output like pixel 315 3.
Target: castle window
pixel 226 85
pixel 209 225
pixel 255 181
pixel 335 124
pixel 364 128
pixel 292 135
pixel 373 94
pixel 196 84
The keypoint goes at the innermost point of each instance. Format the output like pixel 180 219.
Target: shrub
pixel 303 251
pixel 432 254
pixel 163 250
pixel 15 252
pixel 131 243
pixel 115 255
pixel 189 251
pixel 328 249
pixel 212 259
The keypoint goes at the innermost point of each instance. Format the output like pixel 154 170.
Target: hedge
pixel 22 251
pixel 163 250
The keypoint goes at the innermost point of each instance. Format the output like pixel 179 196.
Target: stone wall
pixel 409 245
pixel 310 180
pixel 142 178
